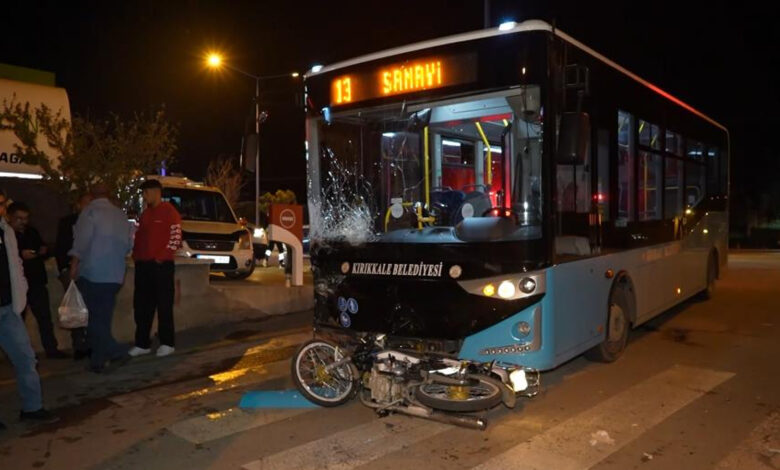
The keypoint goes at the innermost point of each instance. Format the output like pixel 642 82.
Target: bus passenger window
pixel 712 172
pixel 649 135
pixel 694 183
pixel 649 186
pixel 601 196
pixel 673 178
pixel 625 168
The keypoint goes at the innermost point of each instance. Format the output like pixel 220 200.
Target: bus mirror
pixel 419 120
pixel 573 139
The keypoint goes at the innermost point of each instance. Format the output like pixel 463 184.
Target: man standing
pixel 101 241
pixel 65 227
pixel 156 241
pixel 13 335
pixel 33 252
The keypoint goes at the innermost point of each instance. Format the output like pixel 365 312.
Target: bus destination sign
pixel 401 78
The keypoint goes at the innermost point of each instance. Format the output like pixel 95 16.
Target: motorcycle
pixel 431 385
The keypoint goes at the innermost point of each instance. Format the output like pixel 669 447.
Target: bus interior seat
pixel 448 201
pixel 572 245
pixel 479 201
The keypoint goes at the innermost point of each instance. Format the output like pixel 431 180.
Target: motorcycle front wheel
pixel 485 393
pixel 318 378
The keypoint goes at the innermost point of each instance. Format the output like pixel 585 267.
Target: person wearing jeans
pixel 101 242
pixel 14 340
pixel 156 241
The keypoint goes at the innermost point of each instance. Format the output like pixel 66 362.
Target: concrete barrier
pixel 199 303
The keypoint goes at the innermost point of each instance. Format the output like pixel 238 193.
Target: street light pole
pixel 214 60
pixel 257 151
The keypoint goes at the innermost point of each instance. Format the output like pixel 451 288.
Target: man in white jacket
pixel 13 334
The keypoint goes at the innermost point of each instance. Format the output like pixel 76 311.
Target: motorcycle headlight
pixel 518 380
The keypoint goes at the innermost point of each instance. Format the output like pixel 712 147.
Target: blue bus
pixel 508 195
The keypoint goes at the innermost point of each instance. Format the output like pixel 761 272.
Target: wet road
pixel 697 387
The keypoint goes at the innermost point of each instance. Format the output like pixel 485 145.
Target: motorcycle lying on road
pixel 429 385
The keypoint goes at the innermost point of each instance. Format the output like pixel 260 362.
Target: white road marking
pixel 623 417
pixel 352 447
pixel 225 423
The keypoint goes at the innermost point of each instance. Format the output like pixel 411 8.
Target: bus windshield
pixel 466 169
pixel 199 205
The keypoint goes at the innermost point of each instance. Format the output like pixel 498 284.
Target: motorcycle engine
pixel 387 381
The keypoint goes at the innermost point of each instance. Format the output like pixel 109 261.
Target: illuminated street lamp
pixel 214 61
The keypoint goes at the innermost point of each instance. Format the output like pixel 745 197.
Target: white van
pixel 210 229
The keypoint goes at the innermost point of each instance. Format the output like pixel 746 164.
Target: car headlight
pixel 245 241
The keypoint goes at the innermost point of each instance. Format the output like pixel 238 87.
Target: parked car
pixel 210 228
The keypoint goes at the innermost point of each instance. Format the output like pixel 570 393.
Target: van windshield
pixel 199 205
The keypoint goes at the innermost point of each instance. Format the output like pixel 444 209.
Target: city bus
pixel 508 195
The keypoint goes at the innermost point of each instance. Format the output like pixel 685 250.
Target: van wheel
pixel 244 275
pixel 618 324
pixel 712 273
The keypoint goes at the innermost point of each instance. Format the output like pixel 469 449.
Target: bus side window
pixel 626 174
pixel 713 167
pixel 602 195
pixel 695 174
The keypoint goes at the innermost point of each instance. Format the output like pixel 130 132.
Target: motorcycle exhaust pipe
pixel 466 421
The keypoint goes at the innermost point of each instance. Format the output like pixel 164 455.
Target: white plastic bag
pixel 73 311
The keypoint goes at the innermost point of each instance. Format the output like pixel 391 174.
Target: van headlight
pixel 245 241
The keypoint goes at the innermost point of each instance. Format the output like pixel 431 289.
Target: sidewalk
pixel 201 354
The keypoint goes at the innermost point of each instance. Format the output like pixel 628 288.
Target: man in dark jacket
pixel 34 252
pixel 65 229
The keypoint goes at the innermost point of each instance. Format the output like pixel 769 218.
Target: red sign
pixel 289 217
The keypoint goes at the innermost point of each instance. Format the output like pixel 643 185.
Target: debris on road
pixel 601 437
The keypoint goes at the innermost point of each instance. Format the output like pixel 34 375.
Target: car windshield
pixel 199 205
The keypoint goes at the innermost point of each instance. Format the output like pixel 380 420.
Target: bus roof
pixel 529 25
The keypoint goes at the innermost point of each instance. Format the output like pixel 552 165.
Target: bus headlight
pixel 506 290
pixel 489 290
pixel 527 285
pixel 518 380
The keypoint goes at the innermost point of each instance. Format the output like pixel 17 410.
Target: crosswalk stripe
pixel 587 438
pixel 762 445
pixel 353 447
pixel 228 422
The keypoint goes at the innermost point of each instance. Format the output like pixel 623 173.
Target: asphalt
pixel 697 388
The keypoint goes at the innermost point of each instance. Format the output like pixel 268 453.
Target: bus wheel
pixel 617 330
pixel 712 273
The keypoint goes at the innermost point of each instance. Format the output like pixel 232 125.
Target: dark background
pixel 132 56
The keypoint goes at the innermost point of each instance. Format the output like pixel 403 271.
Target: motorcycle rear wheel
pixel 484 395
pixel 316 382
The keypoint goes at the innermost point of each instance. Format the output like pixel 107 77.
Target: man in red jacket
pixel 156 241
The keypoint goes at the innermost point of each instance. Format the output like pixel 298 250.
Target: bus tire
pixel 618 326
pixel 712 274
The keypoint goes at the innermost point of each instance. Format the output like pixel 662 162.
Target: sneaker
pixel 42 416
pixel 135 351
pixel 165 350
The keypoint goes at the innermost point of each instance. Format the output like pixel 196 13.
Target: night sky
pixel 132 56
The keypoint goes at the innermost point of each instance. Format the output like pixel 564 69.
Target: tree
pixel 223 174
pixel 84 151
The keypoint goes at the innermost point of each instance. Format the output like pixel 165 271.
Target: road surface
pixel 697 388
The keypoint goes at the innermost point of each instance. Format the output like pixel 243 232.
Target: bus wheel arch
pixel 620 316
pixel 624 283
